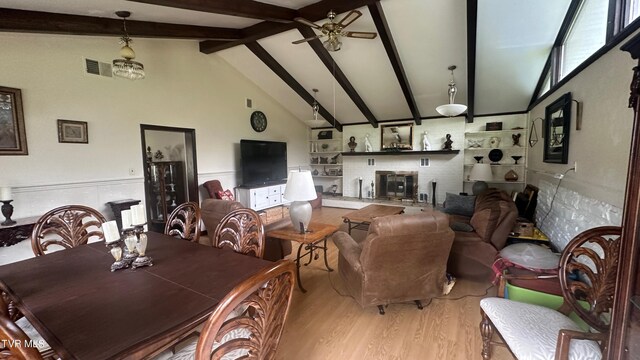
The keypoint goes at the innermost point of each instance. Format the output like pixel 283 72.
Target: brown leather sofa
pixel 402 258
pixel 473 252
pixel 213 210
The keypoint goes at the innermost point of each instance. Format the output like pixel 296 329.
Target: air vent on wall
pixel 98 68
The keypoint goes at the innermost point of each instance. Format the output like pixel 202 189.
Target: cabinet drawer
pixel 274 190
pixel 274 200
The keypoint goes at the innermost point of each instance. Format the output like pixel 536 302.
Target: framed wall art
pixel 70 131
pixel 13 138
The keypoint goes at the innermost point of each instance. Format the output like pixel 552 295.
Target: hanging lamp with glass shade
pixel 451 109
pixel 126 67
pixel 315 107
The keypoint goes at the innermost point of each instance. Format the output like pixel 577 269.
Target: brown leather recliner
pixel 403 258
pixel 473 252
pixel 213 210
pixel 212 187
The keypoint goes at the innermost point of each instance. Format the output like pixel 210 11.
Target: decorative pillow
pixel 459 204
pixel 460 226
pixel 225 195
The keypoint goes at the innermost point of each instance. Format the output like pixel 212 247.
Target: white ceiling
pixel 514 38
pixel 513 42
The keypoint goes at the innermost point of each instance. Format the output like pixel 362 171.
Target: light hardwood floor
pixel 325 325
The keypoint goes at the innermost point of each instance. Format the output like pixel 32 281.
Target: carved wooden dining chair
pixel 66 226
pixel 14 343
pixel 184 222
pixel 241 230
pixel 18 338
pixel 587 274
pixel 248 322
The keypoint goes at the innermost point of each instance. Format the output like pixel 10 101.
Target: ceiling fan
pixel 334 30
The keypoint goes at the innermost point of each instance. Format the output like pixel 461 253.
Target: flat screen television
pixel 263 162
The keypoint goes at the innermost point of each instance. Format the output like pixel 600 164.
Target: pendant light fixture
pixel 451 109
pixel 126 67
pixel 315 107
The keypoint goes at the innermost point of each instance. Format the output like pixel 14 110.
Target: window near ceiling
pixel 632 11
pixel 546 85
pixel 587 34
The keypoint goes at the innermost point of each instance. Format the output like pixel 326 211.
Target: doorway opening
pixel 170 171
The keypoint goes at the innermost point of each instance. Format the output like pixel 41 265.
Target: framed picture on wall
pixel 13 139
pixel 70 131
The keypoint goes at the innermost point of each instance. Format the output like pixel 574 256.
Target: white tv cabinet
pixel 261 197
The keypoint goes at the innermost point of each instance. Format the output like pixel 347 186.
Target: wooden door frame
pixel 630 246
pixel 191 167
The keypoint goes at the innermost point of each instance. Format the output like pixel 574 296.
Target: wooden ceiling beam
pixel 12 20
pixel 275 66
pixel 392 52
pixel 241 8
pixel 340 77
pixel 472 30
pixel 313 12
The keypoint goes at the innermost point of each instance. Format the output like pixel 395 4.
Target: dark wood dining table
pixel 85 311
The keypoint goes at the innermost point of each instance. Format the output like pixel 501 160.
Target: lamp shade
pixel 451 110
pixel 481 172
pixel 300 186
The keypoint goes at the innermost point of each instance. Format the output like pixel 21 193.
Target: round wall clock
pixel 258 121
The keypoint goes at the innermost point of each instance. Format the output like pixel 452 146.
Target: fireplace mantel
pixel 396 153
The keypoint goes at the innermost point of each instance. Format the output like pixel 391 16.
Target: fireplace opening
pixel 396 185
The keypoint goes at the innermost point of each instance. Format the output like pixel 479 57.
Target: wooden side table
pixel 310 241
pixel 21 230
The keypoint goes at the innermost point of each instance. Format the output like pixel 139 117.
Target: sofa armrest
pixel 349 249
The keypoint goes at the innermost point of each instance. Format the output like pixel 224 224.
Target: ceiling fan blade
pixel 351 17
pixel 360 34
pixel 307 39
pixel 308 23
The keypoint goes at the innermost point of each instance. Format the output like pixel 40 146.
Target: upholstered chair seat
pixel 531 331
pixel 33 334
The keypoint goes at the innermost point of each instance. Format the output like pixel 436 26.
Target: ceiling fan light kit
pixel 126 67
pixel 334 30
pixel 451 109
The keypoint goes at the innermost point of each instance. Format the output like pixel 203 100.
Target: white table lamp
pixel 480 173
pixel 300 190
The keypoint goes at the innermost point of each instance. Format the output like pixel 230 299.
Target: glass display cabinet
pixel 165 191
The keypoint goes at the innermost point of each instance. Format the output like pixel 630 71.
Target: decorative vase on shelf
pixel 511 176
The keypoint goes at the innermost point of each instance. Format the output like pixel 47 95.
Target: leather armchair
pixel 473 252
pixel 403 258
pixel 212 187
pixel 213 210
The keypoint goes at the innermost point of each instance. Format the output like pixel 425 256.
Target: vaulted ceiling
pixel 499 47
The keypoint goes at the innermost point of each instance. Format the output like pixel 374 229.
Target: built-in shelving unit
pixel 479 142
pixel 325 160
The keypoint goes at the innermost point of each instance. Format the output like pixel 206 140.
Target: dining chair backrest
pixel 241 230
pixel 184 222
pixel 250 319
pixel 66 226
pixel 14 343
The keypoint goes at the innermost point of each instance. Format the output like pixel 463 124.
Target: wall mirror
pixel 556 130
pixel 397 137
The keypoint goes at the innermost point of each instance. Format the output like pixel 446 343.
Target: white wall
pixel 600 149
pixel 183 88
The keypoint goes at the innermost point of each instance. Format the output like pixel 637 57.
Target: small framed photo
pixel 70 131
